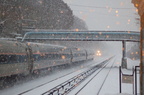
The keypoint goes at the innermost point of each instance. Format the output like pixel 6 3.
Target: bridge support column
pixel 124 59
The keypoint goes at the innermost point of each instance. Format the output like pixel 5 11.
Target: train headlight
pixel 98 53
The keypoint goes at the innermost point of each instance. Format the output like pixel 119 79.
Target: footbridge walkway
pixel 124 36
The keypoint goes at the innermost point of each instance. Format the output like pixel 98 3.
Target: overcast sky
pixel 106 14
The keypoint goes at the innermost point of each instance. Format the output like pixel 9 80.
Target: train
pixel 24 58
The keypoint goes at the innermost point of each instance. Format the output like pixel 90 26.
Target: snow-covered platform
pixel 111 85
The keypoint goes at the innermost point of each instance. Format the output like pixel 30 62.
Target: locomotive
pixel 29 57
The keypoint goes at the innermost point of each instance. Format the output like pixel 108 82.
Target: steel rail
pixel 49 82
pixel 70 84
pixel 105 78
pixel 91 80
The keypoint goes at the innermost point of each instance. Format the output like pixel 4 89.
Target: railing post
pixel 120 79
pixel 135 80
pixel 124 59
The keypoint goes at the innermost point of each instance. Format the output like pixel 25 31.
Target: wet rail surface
pixel 66 86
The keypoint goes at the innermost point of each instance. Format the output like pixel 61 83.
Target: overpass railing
pixel 82 35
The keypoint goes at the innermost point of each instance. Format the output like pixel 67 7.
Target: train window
pixel 21 58
pixel 36 57
pixel 13 58
pixel 52 56
pixel 3 58
pixel 56 56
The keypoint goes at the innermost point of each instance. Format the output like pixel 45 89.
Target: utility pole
pixel 139 4
pixel 142 57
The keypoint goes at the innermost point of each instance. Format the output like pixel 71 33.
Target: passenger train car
pixel 26 58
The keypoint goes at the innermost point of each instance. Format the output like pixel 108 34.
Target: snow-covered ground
pixel 110 87
pixel 24 86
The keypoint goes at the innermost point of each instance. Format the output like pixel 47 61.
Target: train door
pixel 29 58
pixel 86 55
pixel 71 55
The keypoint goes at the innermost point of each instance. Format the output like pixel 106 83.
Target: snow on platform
pixel 111 85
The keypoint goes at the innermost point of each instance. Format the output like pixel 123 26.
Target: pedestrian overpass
pixel 124 36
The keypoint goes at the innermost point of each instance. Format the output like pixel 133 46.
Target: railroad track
pixel 92 78
pixel 65 86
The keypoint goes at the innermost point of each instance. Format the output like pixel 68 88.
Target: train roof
pixel 45 44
